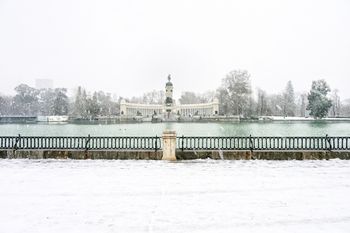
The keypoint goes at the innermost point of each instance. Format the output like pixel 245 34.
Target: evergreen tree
pixel 93 106
pixel 79 109
pixel 289 100
pixel 319 103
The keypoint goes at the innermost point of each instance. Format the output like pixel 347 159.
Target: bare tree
pixel 237 87
pixel 26 101
pixel 261 103
pixel 5 105
pixel 336 107
pixel 302 104
pixel 154 97
pixel 345 109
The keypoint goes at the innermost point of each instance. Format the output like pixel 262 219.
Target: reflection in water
pixel 169 126
pixel 187 129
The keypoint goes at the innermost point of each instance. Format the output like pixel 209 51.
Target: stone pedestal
pixel 169 145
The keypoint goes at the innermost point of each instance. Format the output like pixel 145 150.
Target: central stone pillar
pixel 169 145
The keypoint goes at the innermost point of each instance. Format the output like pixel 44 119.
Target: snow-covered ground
pixel 157 196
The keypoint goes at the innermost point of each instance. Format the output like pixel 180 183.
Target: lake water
pixel 44 196
pixel 187 129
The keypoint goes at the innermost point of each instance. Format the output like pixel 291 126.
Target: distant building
pixel 169 107
pixel 43 83
pixel 52 118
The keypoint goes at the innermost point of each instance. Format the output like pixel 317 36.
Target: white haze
pixel 129 47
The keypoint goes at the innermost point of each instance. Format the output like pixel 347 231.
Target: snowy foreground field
pixel 157 196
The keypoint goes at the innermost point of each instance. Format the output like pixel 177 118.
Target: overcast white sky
pixel 130 46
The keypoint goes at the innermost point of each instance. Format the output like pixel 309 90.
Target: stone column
pixel 169 145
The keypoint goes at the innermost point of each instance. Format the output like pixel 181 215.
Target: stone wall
pixel 180 155
pixel 79 154
pixel 266 155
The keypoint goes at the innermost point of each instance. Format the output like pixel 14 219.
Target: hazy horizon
pixel 129 47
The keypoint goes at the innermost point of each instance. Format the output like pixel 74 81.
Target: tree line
pixel 235 96
pixel 29 101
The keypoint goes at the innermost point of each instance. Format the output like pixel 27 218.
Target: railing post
pixel 156 143
pixel 169 145
pixel 15 147
pixel 251 147
pixel 182 143
pixel 87 143
pixel 328 140
pixel 251 143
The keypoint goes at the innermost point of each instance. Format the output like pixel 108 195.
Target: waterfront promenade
pixel 172 147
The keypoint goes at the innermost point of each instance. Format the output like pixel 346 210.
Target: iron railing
pixel 263 143
pixel 81 143
pixel 182 143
